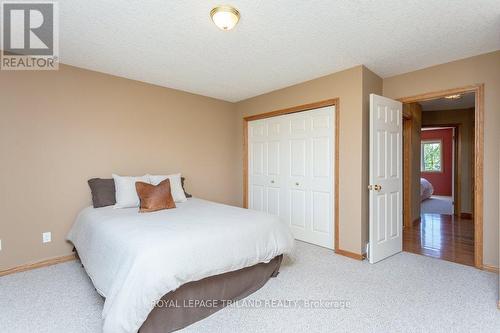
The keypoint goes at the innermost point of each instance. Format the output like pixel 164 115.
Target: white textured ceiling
pixel 174 43
pixel 466 101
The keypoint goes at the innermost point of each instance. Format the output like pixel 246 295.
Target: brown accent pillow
pixel 103 192
pixel 153 197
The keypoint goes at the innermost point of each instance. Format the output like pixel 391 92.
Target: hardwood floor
pixel 446 237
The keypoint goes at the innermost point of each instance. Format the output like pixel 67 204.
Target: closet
pixel 290 171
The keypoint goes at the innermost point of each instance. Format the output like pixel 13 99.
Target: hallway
pixel 446 237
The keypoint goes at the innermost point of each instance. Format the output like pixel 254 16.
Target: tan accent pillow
pixel 154 198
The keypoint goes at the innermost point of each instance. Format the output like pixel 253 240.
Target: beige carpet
pixel 405 293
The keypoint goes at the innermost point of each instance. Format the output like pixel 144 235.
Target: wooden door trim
pixel 300 108
pixel 441 93
pixel 407 171
pixel 478 169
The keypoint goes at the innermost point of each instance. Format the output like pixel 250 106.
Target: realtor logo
pixel 30 36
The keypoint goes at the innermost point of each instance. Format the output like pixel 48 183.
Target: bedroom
pixel 178 103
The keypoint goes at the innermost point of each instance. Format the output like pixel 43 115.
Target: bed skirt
pixel 176 309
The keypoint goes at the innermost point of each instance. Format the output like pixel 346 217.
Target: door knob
pixel 375 187
pixel 272 181
pixel 297 184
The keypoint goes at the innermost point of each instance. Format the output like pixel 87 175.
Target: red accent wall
pixel 441 180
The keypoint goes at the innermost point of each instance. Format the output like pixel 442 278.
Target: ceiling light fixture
pixel 225 17
pixel 456 96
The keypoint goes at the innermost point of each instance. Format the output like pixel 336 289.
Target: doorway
pixel 442 175
pixel 440 181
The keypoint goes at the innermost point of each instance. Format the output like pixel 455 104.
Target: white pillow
pixel 126 194
pixel 175 185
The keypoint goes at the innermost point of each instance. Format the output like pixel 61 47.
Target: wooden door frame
pixel 478 169
pixel 407 170
pixel 295 109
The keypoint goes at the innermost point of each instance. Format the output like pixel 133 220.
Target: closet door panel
pixel 297 157
pixel 273 158
pixel 274 177
pixel 298 125
pixel 322 122
pixel 292 163
pixel 321 212
pixel 257 165
pixel 298 208
pixel 274 165
pixel 274 128
pixel 257 197
pixel 257 158
pixel 321 157
pixel 273 200
pixel 257 130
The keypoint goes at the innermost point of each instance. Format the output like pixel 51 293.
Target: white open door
pixel 386 179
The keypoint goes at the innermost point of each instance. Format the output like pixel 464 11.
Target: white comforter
pixel 134 259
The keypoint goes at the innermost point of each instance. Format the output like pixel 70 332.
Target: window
pixel 431 153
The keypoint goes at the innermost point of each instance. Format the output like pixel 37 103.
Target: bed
pixel 200 249
pixel 426 189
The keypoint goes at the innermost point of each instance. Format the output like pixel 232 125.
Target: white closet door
pixel 309 175
pixel 274 152
pixel 291 171
pixel 265 150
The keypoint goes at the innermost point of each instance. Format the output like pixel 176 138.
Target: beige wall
pixel 480 69
pixel 60 128
pixel 352 87
pixel 466 119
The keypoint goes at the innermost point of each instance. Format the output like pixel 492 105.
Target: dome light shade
pixel 225 17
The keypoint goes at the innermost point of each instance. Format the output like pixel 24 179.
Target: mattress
pixel 135 258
